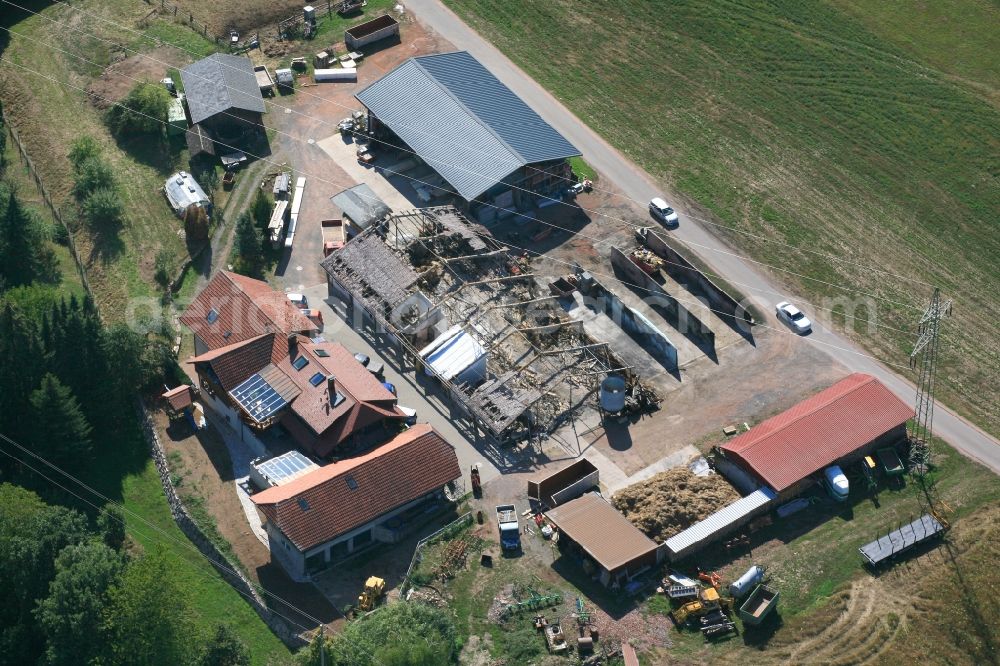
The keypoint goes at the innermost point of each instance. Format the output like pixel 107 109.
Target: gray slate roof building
pixel 219 83
pixel 462 121
pixel 362 205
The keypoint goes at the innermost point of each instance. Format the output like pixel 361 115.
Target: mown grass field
pixel 811 558
pixel 847 141
pixel 54 58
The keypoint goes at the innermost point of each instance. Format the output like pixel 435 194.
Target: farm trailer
pixel 370 32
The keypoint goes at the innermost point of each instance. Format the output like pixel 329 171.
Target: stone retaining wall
pixel 228 570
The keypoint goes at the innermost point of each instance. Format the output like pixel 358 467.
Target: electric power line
pixel 163 535
pixel 598 213
pixel 263 159
pixel 595 241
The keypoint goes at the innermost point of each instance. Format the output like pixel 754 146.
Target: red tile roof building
pixel 330 505
pixel 837 423
pixel 233 308
pixel 245 331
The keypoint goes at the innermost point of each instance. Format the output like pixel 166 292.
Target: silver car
pixel 793 317
pixel 659 209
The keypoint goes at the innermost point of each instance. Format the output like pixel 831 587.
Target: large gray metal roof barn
pixel 468 126
pixel 222 90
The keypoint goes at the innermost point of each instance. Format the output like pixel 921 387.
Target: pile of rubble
pixel 672 501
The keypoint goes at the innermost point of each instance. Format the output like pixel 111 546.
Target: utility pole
pixel 923 358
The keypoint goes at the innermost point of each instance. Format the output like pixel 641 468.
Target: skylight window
pixel 351 483
pixel 317 379
pixel 337 399
pixel 300 362
pixel 213 314
pixel 322 353
pixel 304 505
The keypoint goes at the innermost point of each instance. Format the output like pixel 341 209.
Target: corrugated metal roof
pixel 599 529
pixel 361 204
pixel 218 83
pixel 462 121
pixel 183 190
pixel 819 430
pixel 720 521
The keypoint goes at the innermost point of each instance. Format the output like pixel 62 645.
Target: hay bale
pixel 672 501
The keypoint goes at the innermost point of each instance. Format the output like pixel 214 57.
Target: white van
pixel 836 483
pixel 659 209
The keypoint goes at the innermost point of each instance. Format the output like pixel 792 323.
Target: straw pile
pixel 672 501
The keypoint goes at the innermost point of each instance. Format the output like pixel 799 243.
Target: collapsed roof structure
pixel 474 315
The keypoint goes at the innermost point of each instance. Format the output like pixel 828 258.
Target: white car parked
pixel 299 300
pixel 792 316
pixel 659 209
pixel 836 483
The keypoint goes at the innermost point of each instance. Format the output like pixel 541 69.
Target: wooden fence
pixel 49 203
pixel 170 9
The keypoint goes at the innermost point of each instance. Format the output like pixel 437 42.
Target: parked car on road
pixel 793 317
pixel 659 209
pixel 298 299
pixel 363 359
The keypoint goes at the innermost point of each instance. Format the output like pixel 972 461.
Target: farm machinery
pixel 369 597
pixel 709 611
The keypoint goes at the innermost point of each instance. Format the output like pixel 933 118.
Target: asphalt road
pixel 636 184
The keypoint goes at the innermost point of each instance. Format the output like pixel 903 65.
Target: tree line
pixel 80 593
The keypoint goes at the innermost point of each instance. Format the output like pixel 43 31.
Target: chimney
pixel 331 385
pixel 293 346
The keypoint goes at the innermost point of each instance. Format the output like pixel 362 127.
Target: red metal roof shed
pixel 820 430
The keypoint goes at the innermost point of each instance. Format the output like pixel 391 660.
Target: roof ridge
pixel 819 406
pixel 219 352
pixel 222 74
pixel 329 473
pixel 521 158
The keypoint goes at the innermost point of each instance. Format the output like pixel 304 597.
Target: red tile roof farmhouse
pixel 339 497
pixel 819 430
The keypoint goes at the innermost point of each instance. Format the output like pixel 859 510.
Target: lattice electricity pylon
pixel 924 358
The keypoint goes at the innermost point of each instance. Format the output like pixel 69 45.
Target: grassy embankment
pixel 864 131
pixel 49 115
pixel 49 106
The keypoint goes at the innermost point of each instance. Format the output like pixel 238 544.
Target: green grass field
pixel 867 132
pixel 44 92
pixel 213 599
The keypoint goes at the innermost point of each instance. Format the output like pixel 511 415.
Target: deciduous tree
pixel 224 648
pixel 70 616
pixel 148 618
pixel 144 110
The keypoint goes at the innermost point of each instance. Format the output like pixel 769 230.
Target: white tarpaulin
pixel 455 354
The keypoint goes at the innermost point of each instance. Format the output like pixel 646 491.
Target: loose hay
pixel 672 501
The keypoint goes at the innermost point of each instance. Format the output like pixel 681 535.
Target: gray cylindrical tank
pixel 746 582
pixel 613 394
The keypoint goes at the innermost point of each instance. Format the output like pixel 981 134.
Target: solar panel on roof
pixel 258 398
